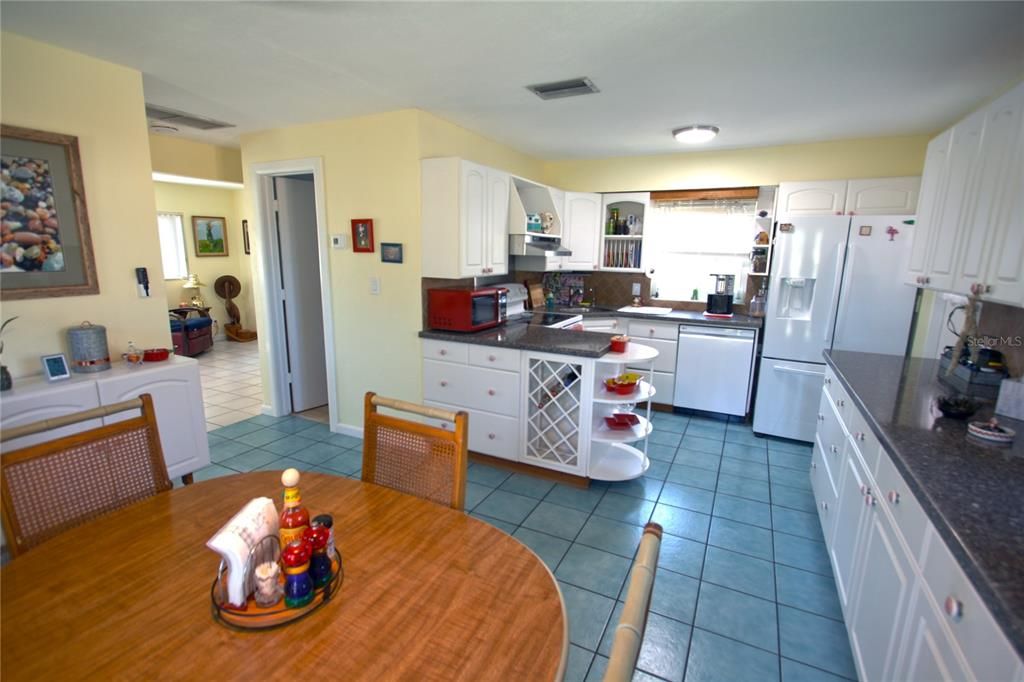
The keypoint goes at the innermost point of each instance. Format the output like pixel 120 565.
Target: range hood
pixel 536 245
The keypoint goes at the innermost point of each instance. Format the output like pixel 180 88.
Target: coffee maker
pixel 720 302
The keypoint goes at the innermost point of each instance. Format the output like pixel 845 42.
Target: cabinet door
pixel 178 402
pixel 849 512
pixel 881 596
pixel 827 197
pixel 24 407
pixel 1005 272
pixel 497 222
pixel 936 166
pixel 950 226
pixel 989 195
pixel 882 196
pixel 581 231
pixel 927 651
pixel 473 218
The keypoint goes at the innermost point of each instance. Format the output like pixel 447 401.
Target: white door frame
pixel 271 321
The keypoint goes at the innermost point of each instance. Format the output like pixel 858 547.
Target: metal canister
pixel 88 345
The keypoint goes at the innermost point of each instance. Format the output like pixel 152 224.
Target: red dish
pixel 622 420
pixel 155 354
pixel 619 344
pixel 613 386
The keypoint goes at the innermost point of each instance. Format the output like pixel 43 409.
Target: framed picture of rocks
pixel 45 245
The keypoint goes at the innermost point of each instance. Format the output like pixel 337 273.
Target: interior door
pixel 300 288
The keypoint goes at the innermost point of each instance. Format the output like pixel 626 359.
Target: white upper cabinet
pixel 936 164
pixel 582 230
pixel 826 197
pixel 464 204
pixel 882 196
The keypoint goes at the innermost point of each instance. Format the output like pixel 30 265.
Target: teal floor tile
pixel 709 445
pixel 741 537
pixel 674 595
pixel 645 487
pixel 584 499
pixel 746 452
pixel 524 484
pixel 345 462
pixel 740 616
pixel 794 498
pixel 226 449
pixel 815 640
pixel 657 470
pixel 793 478
pixel 783 445
pixel 706 429
pixel 740 572
pixel 212 471
pixel 550 549
pixel 236 430
pixel 790 460
pixel 284 463
pixel 497 523
pixel 744 469
pixel 808 591
pixel 681 555
pixel 611 536
pixel 555 520
pixel 594 570
pixel 749 488
pixel 588 615
pixel 670 422
pixel 316 432
pixel 264 420
pixel 288 445
pixel 662 437
pixel 319 452
pixel 340 440
pixel 799 552
pixel 700 460
pixel 804 524
pixel 682 522
pixel 507 507
pixel 743 510
pixel 486 475
pixel 714 658
pixel 793 671
pixel 597 669
pixel 743 437
pixel 248 461
pixel 475 494
pixel 687 497
pixel 578 665
pixel 688 475
pixel 663 453
pixel 664 648
pixel 624 508
pixel 293 424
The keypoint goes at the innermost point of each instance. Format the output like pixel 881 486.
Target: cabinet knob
pixel 491 436
pixel 861 436
pixel 987 289
pixel 869 500
pixel 814 465
pixel 442 352
pixel 833 449
pixel 864 489
pixel 828 381
pixel 490 391
pixel 894 497
pixel 954 608
pixel 652 331
pixel 841 402
pixel 491 358
pixel 821 417
pixel 824 505
pixel 444 383
pixel 926 280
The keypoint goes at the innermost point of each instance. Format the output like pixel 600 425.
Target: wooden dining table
pixel 428 593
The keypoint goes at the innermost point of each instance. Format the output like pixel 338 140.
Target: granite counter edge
pixel 516 345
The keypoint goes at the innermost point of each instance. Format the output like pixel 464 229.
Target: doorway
pixel 294 284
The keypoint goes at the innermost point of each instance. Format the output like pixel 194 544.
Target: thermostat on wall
pixel 339 241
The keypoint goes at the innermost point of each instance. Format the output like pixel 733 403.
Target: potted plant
pixel 5 376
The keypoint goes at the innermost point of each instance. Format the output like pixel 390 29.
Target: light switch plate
pixel 636 288
pixel 375 285
pixel 339 241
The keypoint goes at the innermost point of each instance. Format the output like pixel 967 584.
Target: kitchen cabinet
pixel 824 197
pixel 582 231
pixel 663 337
pixel 933 181
pixel 624 252
pixel 605 325
pixel 928 651
pixel 871 196
pixel 464 204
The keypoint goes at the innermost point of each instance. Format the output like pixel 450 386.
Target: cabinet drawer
pixel 863 438
pixel 507 359
pixel 608 325
pixel 640 329
pixel 666 360
pixel 894 495
pixel 489 434
pixel 825 490
pixel 446 350
pixel 980 638
pixel 837 396
pixel 664 384
pixel 472 387
pixel 830 429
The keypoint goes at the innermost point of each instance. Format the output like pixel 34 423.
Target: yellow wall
pixel 438 137
pixel 191 200
pixel 864 158
pixel 55 90
pixel 178 156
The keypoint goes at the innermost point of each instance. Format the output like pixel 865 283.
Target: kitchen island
pixel 925 527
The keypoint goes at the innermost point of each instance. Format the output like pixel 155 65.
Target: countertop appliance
pixel 517 295
pixel 715 368
pixel 466 309
pixel 836 282
pixel 720 302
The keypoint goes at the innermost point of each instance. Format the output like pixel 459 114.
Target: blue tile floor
pixel 744 590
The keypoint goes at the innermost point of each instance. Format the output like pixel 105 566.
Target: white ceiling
pixel 767 73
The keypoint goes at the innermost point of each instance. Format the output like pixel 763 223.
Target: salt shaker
pixel 268 584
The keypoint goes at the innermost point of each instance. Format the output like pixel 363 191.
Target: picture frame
pixel 390 252
pixel 55 367
pixel 245 237
pixel 210 236
pixel 47 244
pixel 362 235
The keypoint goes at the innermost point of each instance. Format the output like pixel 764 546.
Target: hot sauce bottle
pixel 294 517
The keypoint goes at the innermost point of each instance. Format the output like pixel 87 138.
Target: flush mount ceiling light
pixel 695 134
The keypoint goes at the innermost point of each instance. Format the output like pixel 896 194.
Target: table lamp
pixel 192 282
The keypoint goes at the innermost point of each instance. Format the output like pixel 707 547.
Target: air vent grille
pixel 173 117
pixel 558 89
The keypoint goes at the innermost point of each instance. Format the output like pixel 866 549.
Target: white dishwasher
pixel 715 368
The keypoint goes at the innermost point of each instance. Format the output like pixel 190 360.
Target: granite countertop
pixel 971 492
pixel 679 316
pixel 518 334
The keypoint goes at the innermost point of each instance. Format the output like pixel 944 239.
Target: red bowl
pixel 622 420
pixel 619 344
pixel 155 354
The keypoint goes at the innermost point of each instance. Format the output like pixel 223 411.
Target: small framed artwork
pixel 390 253
pixel 245 236
pixel 362 235
pixel 865 231
pixel 211 235
pixel 55 367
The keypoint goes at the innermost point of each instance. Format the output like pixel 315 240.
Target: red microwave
pixel 466 310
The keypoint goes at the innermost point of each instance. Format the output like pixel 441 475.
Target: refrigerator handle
pixel 844 301
pixel 830 328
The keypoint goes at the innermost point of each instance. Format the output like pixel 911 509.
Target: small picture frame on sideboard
pixel 55 367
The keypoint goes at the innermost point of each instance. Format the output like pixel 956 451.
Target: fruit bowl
pixel 614 386
pixel 956 407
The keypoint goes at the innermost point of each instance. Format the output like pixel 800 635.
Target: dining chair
pixel 629 633
pixel 416 458
pixel 56 485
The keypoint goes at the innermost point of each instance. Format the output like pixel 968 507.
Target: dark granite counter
pixel 970 491
pixel 676 316
pixel 517 334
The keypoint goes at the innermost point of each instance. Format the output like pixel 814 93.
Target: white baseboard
pixel 346 430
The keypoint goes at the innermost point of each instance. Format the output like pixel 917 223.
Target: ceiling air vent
pixel 174 118
pixel 558 89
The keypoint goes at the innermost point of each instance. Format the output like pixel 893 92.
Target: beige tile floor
pixel 232 387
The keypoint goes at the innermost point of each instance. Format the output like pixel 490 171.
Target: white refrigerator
pixel 836 283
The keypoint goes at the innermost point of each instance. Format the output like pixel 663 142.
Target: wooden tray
pixel 256 617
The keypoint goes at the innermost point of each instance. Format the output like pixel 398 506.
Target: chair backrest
pixel 50 487
pixel 415 458
pixel 629 633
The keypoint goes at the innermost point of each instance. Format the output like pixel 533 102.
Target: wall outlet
pixel 636 288
pixel 339 241
pixel 375 286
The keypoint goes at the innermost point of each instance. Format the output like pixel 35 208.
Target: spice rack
pixel 623 252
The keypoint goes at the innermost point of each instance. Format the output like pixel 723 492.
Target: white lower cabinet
pixel 910 610
pixel 664 338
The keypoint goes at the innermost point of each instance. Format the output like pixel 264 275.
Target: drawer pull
pixel 491 436
pixel 828 381
pixel 491 358
pixel 860 435
pixel 814 465
pixel 894 497
pixel 840 402
pixel 444 383
pixel 954 608
pixel 865 490
pixel 442 352
pixel 869 500
pixel 652 331
pixel 821 417
pixel 833 449
pixel 824 505
pixel 491 391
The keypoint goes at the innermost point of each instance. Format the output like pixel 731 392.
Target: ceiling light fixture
pixel 695 134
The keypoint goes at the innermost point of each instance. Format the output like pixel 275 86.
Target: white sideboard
pixel 177 397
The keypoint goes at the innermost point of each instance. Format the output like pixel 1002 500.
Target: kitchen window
pixel 689 239
pixel 172 245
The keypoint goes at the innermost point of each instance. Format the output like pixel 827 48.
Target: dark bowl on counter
pixel 956 407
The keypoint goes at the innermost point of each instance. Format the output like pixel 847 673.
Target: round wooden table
pixel 429 593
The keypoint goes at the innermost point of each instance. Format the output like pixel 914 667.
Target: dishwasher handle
pixel 705 330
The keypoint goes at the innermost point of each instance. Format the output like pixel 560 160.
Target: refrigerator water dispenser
pixel 796 298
